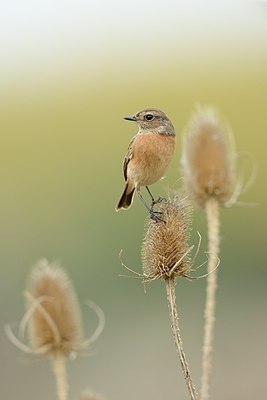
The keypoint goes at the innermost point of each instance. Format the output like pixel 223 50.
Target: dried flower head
pixel 165 251
pixel 55 322
pixel 208 160
pixel 52 315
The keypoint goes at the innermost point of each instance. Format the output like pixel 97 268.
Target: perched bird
pixel 149 154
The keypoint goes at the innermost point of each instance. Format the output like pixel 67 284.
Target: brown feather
pixel 126 198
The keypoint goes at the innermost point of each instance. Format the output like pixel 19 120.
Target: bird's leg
pixel 143 201
pixel 152 198
pixel 152 213
pixel 151 195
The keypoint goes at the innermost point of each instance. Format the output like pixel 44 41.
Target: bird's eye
pixel 149 117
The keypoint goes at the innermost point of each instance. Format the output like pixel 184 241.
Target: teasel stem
pixel 171 298
pixel 59 368
pixel 213 221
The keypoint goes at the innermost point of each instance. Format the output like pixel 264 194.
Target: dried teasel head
pixel 54 323
pixel 165 251
pixel 208 157
pixel 53 316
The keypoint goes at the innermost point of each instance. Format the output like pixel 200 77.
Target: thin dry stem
pixel 59 368
pixel 212 211
pixel 170 287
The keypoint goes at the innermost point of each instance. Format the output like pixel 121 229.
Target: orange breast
pixel 151 155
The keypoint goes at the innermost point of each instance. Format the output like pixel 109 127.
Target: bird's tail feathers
pixel 126 197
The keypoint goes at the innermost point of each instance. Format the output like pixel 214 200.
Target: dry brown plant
pixel 208 158
pixel 166 256
pixel 208 163
pixel 165 251
pixel 53 321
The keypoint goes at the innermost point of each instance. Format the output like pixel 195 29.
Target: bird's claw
pixel 157 201
pixel 154 217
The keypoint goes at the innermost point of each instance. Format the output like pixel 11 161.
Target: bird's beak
pixel 133 118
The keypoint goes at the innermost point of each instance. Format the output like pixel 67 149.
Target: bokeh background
pixel 70 70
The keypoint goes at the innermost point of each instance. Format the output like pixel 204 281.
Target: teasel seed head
pixel 55 323
pixel 208 157
pixel 165 251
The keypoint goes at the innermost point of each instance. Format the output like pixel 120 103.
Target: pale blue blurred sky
pixel 40 37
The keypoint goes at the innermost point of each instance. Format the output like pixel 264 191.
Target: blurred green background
pixel 69 72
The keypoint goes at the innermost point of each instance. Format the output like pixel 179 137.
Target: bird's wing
pixel 128 157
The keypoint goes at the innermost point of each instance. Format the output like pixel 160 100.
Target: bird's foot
pixel 157 201
pixel 154 216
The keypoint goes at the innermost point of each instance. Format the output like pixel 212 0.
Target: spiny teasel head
pixel 52 316
pixel 165 251
pixel 55 322
pixel 208 159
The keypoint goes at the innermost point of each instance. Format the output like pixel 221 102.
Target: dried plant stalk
pixel 59 368
pixel 171 298
pixel 166 256
pixel 212 210
pixel 208 167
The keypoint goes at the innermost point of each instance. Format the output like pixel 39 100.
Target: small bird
pixel 149 154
